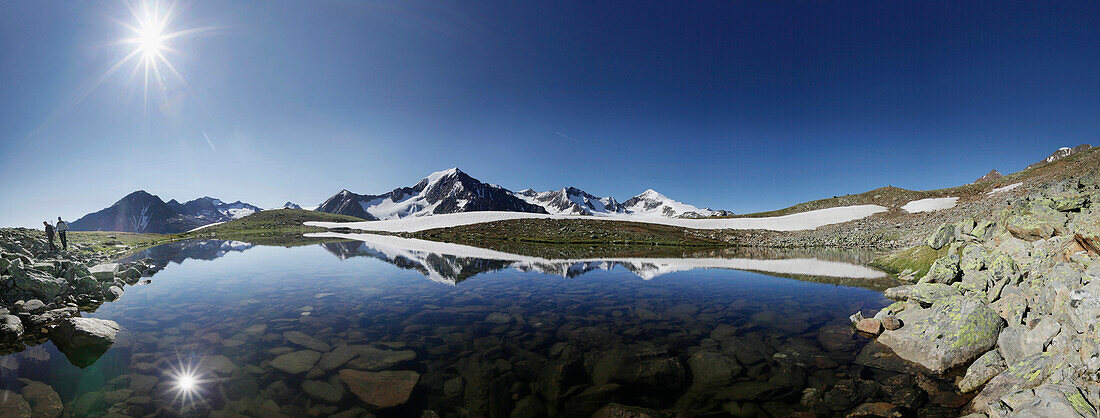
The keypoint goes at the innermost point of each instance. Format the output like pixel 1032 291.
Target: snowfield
pixel 795 222
pixel 1004 189
pixel 647 268
pixel 929 205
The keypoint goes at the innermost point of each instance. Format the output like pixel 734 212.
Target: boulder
pixel 1070 203
pixel 984 368
pixel 974 258
pixel 891 322
pixel 381 389
pixel 870 325
pixel 1055 401
pixel 11 328
pixel 954 331
pixel 83 340
pixel 923 293
pixel 38 283
pixel 1030 227
pixel 943 236
pixel 1028 373
pixel 322 391
pixel 944 270
pixel 104 272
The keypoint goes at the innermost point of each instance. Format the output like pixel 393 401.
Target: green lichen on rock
pixel 951 333
pixel 943 236
pixel 1030 227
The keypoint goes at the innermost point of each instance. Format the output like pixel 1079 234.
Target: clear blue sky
pixel 739 105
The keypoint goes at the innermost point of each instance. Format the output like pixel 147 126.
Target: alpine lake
pixel 394 327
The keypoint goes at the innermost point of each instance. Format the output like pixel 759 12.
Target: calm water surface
pixel 471 337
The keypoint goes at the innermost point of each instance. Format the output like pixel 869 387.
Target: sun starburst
pixel 150 34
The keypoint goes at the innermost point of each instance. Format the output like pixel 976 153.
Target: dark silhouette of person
pixel 49 235
pixel 62 228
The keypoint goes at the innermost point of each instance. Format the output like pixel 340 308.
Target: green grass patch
pixel 282 227
pixel 918 259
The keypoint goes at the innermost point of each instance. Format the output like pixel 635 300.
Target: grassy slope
pixel 569 238
pixel 271 227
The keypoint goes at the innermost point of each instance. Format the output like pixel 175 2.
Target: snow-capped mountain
pixel 1060 154
pixel 210 210
pixel 449 191
pixel 143 212
pixel 571 201
pixel 291 205
pixel 651 203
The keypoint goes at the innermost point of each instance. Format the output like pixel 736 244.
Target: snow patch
pixel 206 226
pixel 794 222
pixel 929 205
pixel 1005 189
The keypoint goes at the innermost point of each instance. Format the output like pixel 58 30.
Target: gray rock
pixel 1055 401
pixel 890 322
pixel 642 367
pixel 337 357
pixel 374 359
pixel 104 272
pixel 33 306
pixel 38 283
pixel 322 391
pixel 83 340
pixel 11 328
pixel 954 331
pixel 711 371
pixel 944 270
pixel 1030 227
pixel 943 236
pixel 44 401
pixel 297 362
pixel 1028 373
pixel 1011 343
pixel 984 368
pixel 381 389
pixel 306 341
pixel 924 293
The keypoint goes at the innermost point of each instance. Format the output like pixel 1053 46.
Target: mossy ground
pixel 918 259
pixel 282 227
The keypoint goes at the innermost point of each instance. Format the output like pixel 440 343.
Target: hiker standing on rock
pixel 62 227
pixel 49 235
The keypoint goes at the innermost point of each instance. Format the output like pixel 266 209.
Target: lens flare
pixel 189 380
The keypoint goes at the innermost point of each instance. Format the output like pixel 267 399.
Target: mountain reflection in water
pixel 452 263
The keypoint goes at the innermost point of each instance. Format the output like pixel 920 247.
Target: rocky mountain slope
pixel 143 212
pixel 571 201
pixel 1060 154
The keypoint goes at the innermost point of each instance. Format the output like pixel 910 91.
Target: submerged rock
pixel 84 340
pixel 954 331
pixel 297 362
pixel 44 401
pixel 381 389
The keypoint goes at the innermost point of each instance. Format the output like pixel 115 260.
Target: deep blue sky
pixel 739 105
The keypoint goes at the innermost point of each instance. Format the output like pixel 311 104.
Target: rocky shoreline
pixel 1011 310
pixel 44 293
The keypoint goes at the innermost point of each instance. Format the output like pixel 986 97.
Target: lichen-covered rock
pixel 983 230
pixel 944 270
pixel 944 235
pixel 1068 203
pixel 1056 401
pixel 923 293
pixel 984 368
pixel 973 258
pixel 1028 373
pixel 954 331
pixel 104 272
pixel 38 283
pixel 1030 227
pixel 1002 267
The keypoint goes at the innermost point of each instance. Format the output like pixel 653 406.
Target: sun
pixel 151 31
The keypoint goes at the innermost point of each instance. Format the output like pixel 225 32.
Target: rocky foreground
pixel 1012 307
pixel 44 292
